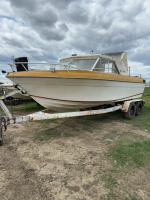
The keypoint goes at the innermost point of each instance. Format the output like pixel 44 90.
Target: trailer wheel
pixel 15 103
pixel 131 111
pixel 138 106
pixel 1 142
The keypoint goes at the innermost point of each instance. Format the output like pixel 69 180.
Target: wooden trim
pixel 74 74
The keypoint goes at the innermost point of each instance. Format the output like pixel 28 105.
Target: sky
pixel 48 30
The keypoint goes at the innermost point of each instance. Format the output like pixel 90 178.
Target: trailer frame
pixel 44 114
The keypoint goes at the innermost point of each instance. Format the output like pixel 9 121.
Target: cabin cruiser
pixel 78 82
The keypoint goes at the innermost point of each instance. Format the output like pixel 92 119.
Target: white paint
pixel 69 93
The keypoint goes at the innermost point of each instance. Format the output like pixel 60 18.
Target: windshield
pixel 61 65
pixel 81 64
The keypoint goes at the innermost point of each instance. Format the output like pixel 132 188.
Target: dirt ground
pixel 72 164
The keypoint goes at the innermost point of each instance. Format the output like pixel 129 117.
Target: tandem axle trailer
pixel 130 109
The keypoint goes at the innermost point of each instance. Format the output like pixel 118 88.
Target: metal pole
pixel 5 109
pixel 129 71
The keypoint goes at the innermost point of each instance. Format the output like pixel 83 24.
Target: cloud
pixel 44 17
pixel 59 4
pixel 24 5
pixel 77 14
pixel 41 17
pixel 135 68
pixel 46 30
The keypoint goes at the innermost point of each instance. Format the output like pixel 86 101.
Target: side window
pixel 106 66
pixel 112 68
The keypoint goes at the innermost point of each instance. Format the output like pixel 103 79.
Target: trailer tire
pixel 15 103
pixel 138 106
pixel 131 111
pixel 1 142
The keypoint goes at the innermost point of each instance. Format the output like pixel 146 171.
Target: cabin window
pixel 79 64
pixel 105 66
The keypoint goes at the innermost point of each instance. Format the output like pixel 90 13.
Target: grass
pixel 98 118
pixel 135 153
pixel 63 128
pixel 48 133
pixel 146 97
pixel 143 121
pixel 110 182
pixel 89 123
pixel 69 126
pixel 65 181
pixel 28 106
pixel 111 195
pixel 131 198
pixel 111 135
pixel 126 150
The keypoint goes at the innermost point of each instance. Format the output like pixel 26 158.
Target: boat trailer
pixel 130 108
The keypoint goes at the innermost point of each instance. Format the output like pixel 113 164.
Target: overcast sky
pixel 47 30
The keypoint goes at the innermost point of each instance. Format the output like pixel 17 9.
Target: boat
pixel 79 81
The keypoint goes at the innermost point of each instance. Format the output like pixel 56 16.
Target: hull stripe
pixel 87 101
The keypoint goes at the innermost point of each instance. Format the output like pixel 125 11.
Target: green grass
pixel 48 133
pixel 75 125
pixel 143 121
pixel 146 97
pixel 110 182
pixel 112 195
pixel 69 126
pixel 65 181
pixel 126 150
pixel 97 118
pixel 130 198
pixel 66 128
pixel 135 153
pixel 28 106
pixel 111 135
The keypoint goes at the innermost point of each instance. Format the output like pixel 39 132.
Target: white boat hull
pixel 58 93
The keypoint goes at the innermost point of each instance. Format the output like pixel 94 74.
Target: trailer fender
pixel 125 106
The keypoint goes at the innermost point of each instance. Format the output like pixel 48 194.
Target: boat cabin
pixel 115 63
